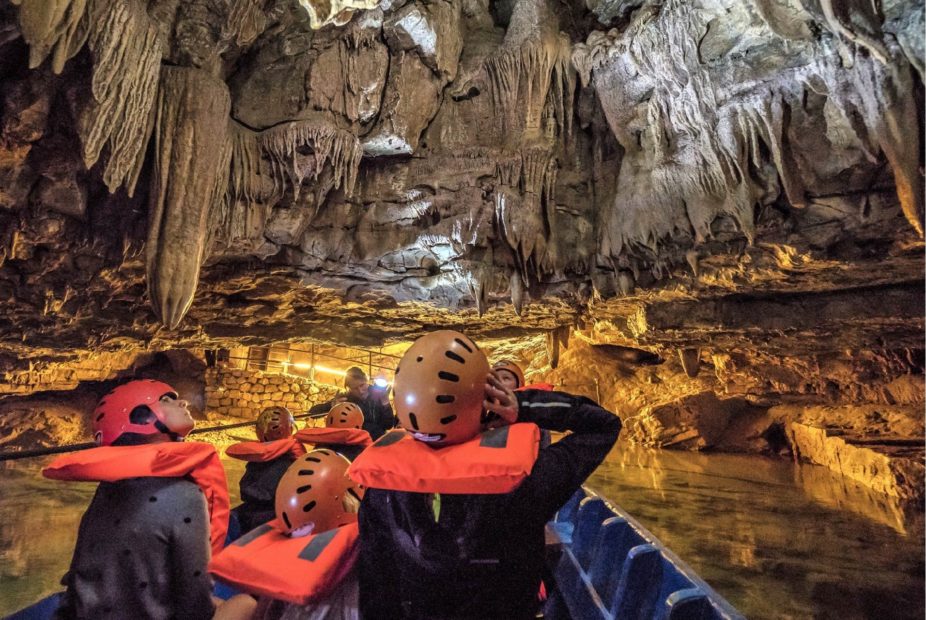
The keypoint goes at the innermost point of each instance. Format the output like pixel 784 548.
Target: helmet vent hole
pixel 448 376
pixel 304 488
pixel 309 506
pixel 306 472
pixel 313 459
pixel 414 420
pixel 445 398
pixel 100 417
pixel 286 521
pixel 419 358
pixel 448 419
pixel 463 344
pixel 325 452
pixel 454 357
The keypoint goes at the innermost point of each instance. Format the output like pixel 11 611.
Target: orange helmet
pixel 316 491
pixel 439 393
pixel 345 415
pixel 275 423
pixel 513 369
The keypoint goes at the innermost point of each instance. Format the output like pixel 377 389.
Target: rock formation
pixel 731 186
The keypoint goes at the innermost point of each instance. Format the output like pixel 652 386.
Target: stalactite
pixel 245 180
pixel 516 283
pixel 127 56
pixel 127 53
pixel 691 361
pixel 55 27
pixel 329 144
pixel 882 97
pixel 524 206
pixel 701 153
pixel 246 21
pixel 190 176
pixel 337 12
pixel 528 78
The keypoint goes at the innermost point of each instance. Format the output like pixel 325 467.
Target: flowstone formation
pixel 700 180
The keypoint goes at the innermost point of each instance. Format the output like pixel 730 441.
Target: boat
pixel 604 566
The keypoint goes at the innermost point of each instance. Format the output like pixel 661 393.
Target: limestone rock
pixel 409 103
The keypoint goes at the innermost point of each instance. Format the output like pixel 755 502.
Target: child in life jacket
pixel 343 431
pixel 301 564
pixel 268 458
pixel 160 510
pixel 452 523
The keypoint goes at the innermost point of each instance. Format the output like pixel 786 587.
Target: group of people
pixel 434 510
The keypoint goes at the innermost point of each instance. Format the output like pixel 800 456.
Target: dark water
pixel 777 540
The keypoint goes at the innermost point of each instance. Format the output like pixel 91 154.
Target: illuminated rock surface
pixel 733 189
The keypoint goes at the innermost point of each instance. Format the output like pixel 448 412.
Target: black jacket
pixel 483 557
pixel 258 491
pixel 377 417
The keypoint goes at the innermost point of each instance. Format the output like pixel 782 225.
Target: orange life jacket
pixel 334 436
pixel 494 462
pixel 172 459
pixel 267 562
pixel 546 387
pixel 263 451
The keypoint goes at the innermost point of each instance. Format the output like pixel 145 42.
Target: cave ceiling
pixel 668 174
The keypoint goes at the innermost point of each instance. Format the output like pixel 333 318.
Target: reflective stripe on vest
pixel 493 462
pixel 266 562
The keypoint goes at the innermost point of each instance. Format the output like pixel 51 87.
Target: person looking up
pixel 160 510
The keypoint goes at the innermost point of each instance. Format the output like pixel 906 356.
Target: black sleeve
pixel 376 567
pixel 562 467
pixel 190 551
pixel 321 407
pixel 386 416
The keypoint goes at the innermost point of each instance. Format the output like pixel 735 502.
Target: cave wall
pixel 250 171
pixel 244 394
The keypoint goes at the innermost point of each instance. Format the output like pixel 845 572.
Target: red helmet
pixel 345 415
pixel 275 423
pixel 439 393
pixel 111 418
pixel 513 369
pixel 316 490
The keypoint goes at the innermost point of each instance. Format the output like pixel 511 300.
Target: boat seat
pixel 687 604
pixel 592 513
pixel 635 596
pixel 608 567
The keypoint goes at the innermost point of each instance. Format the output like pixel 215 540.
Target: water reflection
pixel 778 540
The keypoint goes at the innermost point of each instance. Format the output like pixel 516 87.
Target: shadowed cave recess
pixel 707 215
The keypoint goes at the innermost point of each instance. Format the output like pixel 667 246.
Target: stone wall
pixel 232 392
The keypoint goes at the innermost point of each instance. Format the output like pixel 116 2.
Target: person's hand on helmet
pixel 501 401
